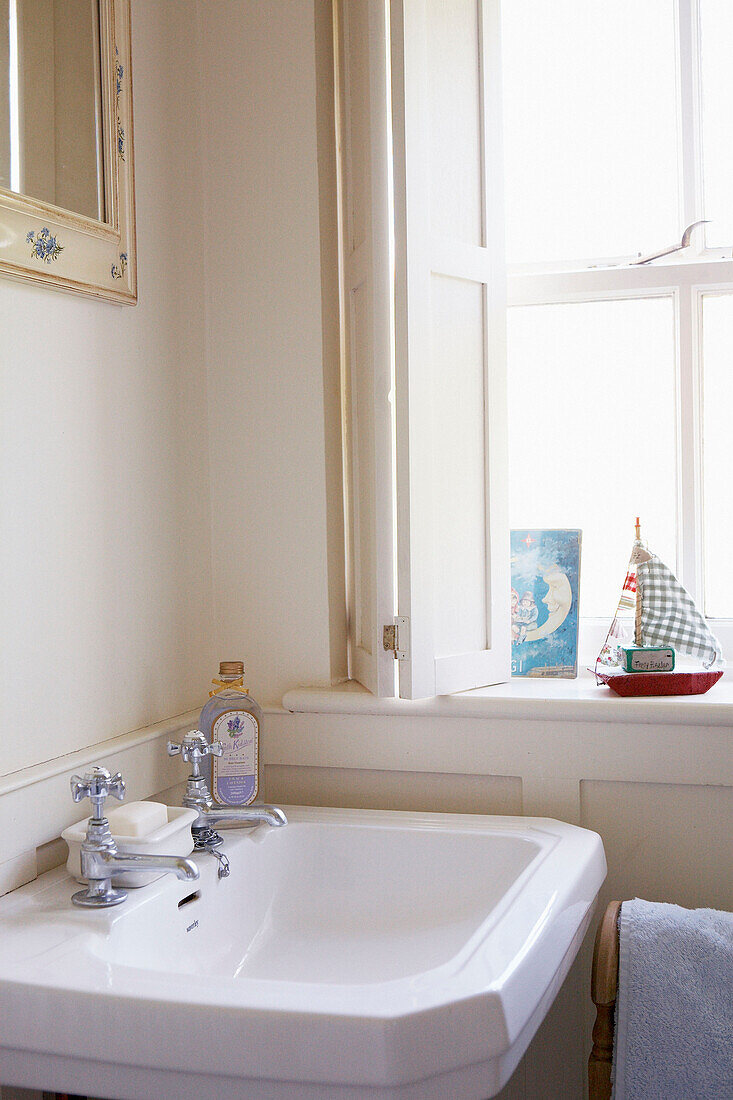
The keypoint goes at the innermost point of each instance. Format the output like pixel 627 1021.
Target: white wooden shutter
pixel 452 517
pixel 367 338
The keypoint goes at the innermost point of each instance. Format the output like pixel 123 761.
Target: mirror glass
pixel 51 103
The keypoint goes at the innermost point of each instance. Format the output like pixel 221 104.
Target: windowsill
pixel 578 700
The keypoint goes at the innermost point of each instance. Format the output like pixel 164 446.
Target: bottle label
pixel 235 772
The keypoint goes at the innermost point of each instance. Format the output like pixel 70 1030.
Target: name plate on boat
pixel 649 659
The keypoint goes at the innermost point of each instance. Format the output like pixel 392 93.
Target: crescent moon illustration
pixel 558 599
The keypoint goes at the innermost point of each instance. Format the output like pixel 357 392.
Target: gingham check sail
pixel 669 615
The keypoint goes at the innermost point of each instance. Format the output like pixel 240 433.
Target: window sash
pixel 546 288
pixel 685 283
pixel 690 130
pixel 702 270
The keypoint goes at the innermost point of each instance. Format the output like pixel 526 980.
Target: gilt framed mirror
pixel 67 197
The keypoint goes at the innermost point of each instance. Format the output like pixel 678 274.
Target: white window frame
pixel 700 271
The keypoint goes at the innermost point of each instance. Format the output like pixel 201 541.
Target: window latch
pixel 684 243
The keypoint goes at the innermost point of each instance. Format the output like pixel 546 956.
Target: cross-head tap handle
pixel 193 748
pixel 96 785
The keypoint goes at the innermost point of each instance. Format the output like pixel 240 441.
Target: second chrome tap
pixel 193 749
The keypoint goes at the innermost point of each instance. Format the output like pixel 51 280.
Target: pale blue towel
pixel 674 1009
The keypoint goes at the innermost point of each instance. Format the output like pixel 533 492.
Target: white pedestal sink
pixel 353 955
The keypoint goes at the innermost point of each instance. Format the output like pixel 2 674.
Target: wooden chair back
pixel 603 990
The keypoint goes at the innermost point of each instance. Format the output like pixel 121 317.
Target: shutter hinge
pixel 396 637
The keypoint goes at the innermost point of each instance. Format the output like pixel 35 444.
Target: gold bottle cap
pixel 231 668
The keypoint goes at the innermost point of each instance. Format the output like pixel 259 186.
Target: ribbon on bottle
pixel 232 685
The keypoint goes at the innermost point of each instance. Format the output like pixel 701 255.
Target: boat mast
pixel 637 617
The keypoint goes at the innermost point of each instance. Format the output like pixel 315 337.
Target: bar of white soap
pixel 137 819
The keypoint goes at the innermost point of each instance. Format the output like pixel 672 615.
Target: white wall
pixel 156 517
pixel 105 564
pixel 272 369
pixel 156 520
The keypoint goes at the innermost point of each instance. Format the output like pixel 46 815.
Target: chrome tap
pixel 193 749
pixel 100 859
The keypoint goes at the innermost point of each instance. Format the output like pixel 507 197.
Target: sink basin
pixel 352 954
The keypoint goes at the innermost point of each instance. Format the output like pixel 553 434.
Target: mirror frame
pixel 77 253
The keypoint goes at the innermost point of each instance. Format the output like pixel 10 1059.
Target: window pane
pixel 717 405
pixel 590 128
pixel 592 431
pixel 717 96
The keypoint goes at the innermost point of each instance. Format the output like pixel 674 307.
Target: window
pixel 616 119
pixel 615 135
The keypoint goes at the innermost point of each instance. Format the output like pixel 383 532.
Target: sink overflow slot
pixel 189 898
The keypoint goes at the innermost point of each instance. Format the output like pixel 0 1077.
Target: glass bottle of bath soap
pixel 233 718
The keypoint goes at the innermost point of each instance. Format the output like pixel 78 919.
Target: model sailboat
pixel 666 621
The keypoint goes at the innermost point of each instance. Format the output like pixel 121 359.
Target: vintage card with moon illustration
pixel 545 591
